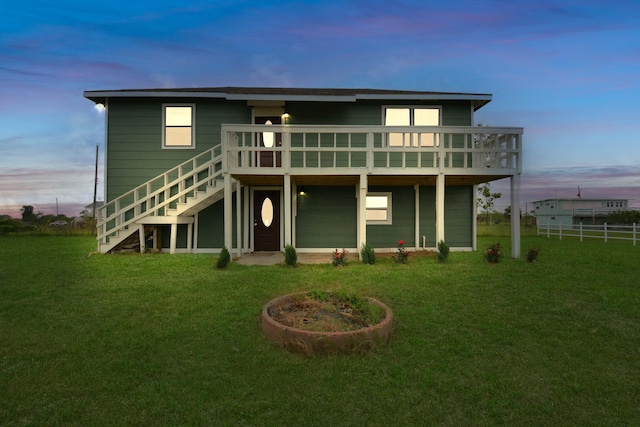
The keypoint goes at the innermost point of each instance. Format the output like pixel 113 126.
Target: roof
pixel 290 94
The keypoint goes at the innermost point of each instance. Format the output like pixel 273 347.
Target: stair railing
pixel 155 196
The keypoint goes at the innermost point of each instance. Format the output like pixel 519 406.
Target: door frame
pixel 252 219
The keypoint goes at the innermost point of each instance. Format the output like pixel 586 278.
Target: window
pixel 412 116
pixel 378 208
pixel 178 126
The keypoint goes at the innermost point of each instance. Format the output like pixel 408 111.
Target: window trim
pixel 388 209
pixel 193 127
pixel 412 108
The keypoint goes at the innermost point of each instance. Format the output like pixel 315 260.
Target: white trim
pixel 193 126
pixel 416 220
pixel 413 107
pixel 196 226
pixel 104 165
pixel 474 222
pixel 440 195
pixel 388 209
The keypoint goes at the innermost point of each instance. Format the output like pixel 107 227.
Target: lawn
pixel 163 339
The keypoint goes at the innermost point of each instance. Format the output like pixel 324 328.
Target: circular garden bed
pixel 325 322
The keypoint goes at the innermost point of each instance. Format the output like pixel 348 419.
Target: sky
pixel 566 71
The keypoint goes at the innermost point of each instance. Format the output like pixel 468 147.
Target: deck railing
pixel 381 149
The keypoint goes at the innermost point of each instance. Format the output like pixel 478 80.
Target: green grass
pixel 171 340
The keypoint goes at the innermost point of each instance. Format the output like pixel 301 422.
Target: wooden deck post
pixel 362 212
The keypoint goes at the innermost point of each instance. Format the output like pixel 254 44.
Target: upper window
pixel 378 208
pixel 412 116
pixel 178 126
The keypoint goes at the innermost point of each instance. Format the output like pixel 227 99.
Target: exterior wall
pixel 211 226
pixel 134 152
pixel 369 112
pixel 402 225
pixel 327 217
pixel 458 214
pixel 428 215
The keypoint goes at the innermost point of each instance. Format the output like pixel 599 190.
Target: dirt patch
pixel 327 312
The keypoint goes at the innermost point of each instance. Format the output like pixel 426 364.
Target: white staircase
pixel 169 198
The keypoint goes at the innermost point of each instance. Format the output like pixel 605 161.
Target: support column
pixel 189 237
pixel 515 216
pixel 228 211
pixel 174 238
pixel 245 240
pixel 156 244
pixel 416 189
pixel 440 208
pixel 142 240
pixel 474 222
pixel 287 209
pixel 238 221
pixel 195 232
pixel 362 212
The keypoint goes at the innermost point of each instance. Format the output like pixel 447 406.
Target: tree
pixel 485 198
pixel 27 214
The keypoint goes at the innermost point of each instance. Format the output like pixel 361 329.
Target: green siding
pixel 327 217
pixel 211 225
pixel 428 215
pixel 134 145
pixel 458 214
pixel 402 221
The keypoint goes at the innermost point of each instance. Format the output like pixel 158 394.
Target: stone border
pixel 313 342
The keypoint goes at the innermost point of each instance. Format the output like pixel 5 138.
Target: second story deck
pixel 375 150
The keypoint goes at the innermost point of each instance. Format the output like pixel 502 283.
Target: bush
pixel 224 259
pixel 339 258
pixel 403 255
pixel 290 256
pixel 532 254
pixel 368 254
pixel 493 253
pixel 443 251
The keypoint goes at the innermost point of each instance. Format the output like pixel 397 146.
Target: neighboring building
pixel 575 211
pixel 255 169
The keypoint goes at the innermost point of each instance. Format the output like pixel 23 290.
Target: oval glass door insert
pixel 266 213
pixel 268 137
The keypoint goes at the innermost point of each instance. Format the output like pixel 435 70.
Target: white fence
pixel 606 232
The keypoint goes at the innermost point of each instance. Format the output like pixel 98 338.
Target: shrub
pixel 368 254
pixel 532 254
pixel 443 251
pixel 290 256
pixel 224 259
pixel 339 258
pixel 493 253
pixel 403 255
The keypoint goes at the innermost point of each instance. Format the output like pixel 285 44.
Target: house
pixel 568 212
pixel 255 169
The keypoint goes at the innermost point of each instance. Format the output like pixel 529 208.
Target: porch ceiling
pixel 376 180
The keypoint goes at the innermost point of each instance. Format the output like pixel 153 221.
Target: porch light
pixel 285 117
pixel 301 192
pixel 99 106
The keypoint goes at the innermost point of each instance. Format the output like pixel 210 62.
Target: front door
pixel 269 159
pixel 266 220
